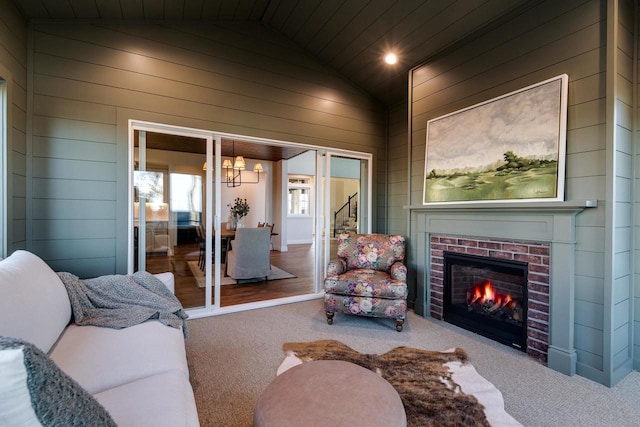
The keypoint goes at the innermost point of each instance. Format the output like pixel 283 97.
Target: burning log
pixel 472 298
pixel 495 307
pixel 485 300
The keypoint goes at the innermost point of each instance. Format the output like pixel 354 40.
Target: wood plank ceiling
pixel 250 150
pixel 351 36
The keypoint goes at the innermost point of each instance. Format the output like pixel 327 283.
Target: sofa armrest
pixel 168 279
pixel 398 271
pixel 336 266
pixel 34 304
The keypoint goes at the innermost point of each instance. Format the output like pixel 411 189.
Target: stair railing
pixel 348 210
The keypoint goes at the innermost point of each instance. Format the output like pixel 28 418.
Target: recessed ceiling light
pixel 391 58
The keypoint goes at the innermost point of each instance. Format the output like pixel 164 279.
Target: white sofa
pixel 139 374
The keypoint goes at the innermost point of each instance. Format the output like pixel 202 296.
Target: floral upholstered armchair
pixel 368 278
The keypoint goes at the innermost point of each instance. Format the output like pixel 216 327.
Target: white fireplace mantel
pixel 550 222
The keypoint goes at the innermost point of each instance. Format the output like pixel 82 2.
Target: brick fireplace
pixel 542 234
pixel 536 257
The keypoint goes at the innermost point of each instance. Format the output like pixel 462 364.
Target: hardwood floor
pixel 299 261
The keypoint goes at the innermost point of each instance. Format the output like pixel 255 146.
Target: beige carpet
pixel 233 357
pixel 276 273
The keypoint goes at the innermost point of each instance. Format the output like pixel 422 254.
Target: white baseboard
pixel 299 242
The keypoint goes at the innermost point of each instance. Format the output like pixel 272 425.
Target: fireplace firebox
pixel 487 296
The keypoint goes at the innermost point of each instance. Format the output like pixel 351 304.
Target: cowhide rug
pixel 436 388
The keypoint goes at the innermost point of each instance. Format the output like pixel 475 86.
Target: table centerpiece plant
pixel 237 211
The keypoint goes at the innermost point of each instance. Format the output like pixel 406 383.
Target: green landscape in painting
pixel 513 178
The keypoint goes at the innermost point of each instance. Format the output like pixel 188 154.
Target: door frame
pixel 324 231
pixel 213 209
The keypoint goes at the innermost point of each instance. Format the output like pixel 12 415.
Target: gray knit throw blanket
pixel 120 301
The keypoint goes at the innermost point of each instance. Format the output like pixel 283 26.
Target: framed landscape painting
pixel 508 149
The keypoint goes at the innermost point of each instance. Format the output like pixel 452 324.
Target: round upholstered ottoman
pixel 329 393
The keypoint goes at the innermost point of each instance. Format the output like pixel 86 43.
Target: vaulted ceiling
pixel 351 36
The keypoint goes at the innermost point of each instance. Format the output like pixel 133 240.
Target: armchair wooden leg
pixel 399 324
pixel 329 317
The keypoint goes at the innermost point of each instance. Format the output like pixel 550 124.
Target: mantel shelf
pixel 528 207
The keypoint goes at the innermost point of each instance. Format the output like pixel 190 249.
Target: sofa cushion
pixel 35 392
pixel 101 358
pixel 34 305
pixel 161 400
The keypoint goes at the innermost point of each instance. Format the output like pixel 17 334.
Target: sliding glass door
pixel 183 184
pixel 170 215
pixel 346 199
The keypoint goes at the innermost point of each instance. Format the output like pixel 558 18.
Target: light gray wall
pixel 13 69
pixel 90 79
pixel 300 229
pixel 303 164
pixel 550 39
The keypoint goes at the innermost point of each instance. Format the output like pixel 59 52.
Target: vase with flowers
pixel 238 210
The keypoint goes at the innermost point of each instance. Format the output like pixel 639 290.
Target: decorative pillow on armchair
pixel 35 392
pixel 335 267
pixel 373 251
pixel 399 272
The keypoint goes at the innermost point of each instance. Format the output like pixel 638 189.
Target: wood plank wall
pixel 621 61
pixel 13 69
pixel 397 188
pixel 230 78
pixel 398 168
pixel 550 39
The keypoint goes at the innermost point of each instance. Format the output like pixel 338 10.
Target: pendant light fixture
pixel 233 172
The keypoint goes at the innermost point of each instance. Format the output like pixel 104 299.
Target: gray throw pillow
pixel 34 391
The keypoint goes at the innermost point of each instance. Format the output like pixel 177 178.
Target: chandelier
pixel 233 172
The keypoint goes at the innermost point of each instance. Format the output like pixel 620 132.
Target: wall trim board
pixel 6 167
pixel 612 190
pixel 29 138
pixel 635 296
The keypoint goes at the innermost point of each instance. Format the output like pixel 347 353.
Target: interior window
pixel 299 197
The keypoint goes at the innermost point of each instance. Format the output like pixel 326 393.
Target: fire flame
pixel 487 295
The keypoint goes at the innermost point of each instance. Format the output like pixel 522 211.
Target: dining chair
pixel 266 224
pixel 249 255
